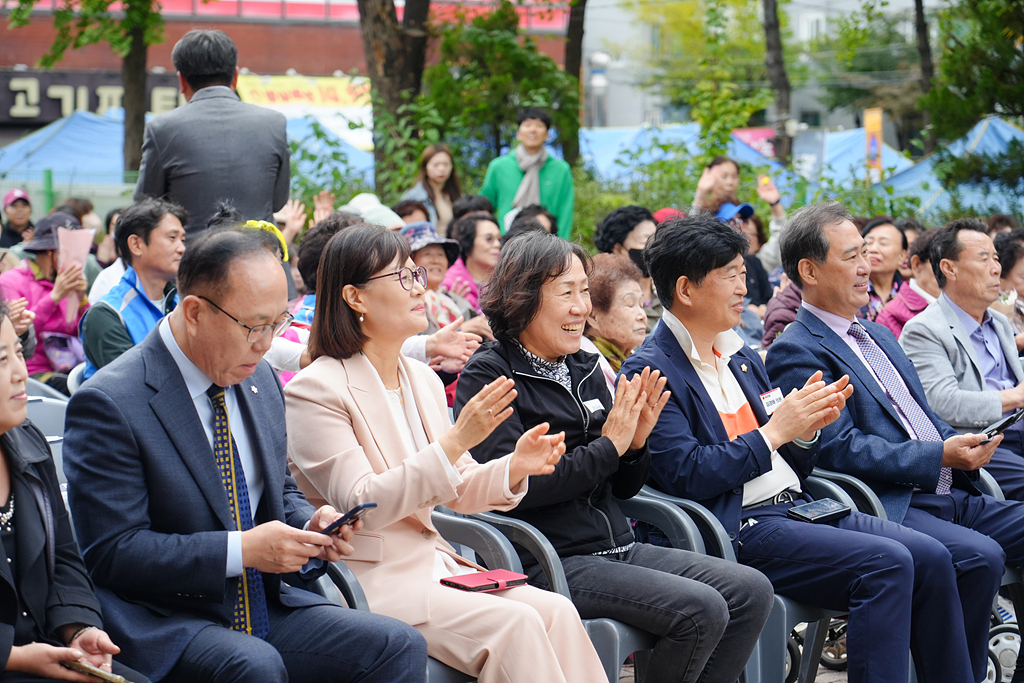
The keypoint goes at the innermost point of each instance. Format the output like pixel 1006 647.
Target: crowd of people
pixel 248 379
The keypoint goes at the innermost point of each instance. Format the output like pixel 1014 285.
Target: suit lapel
pixel 838 348
pixel 680 371
pixel 748 384
pixel 373 406
pixel 176 411
pixel 31 536
pixel 962 338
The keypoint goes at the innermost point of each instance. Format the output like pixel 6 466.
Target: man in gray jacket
pixel 216 146
pixel 965 352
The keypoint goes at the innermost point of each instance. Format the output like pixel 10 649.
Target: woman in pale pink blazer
pixel 368 424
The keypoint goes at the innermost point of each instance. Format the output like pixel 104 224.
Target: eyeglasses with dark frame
pixel 257 332
pixel 407 276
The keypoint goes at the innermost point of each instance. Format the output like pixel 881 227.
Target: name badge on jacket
pixel 771 400
pixel 594 405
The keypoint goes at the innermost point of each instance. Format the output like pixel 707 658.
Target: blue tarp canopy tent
pixel 846 159
pixel 360 162
pixel 86 147
pixel 80 147
pixel 991 136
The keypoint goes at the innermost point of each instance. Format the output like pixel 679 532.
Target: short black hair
pixel 205 57
pixel 518 227
pixel 1010 247
pixel 905 224
pixel 526 263
pixel 351 257
pixel 139 219
pixel 407 207
pixel 225 215
pixel 884 220
pixel 946 244
pixel 617 225
pixel 111 215
pixel 208 257
pixel 468 203
pixel 692 246
pixel 533 113
pixel 531 212
pixel 998 221
pixel 805 236
pixel 316 239
pixel 463 230
pixel 922 246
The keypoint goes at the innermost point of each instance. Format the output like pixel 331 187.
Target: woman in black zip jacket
pixel 708 612
pixel 48 611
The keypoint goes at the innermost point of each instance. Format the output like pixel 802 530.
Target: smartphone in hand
pixel 350 517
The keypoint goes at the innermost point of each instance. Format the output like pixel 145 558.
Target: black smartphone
pixel 350 517
pixel 1001 426
pixel 820 511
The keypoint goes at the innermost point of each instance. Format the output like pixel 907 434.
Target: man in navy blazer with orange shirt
pixel 727 440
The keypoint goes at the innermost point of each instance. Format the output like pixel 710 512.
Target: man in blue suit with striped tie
pixel 921 469
pixel 197 537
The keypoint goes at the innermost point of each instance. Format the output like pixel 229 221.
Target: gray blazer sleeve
pixel 152 181
pixel 282 185
pixel 948 376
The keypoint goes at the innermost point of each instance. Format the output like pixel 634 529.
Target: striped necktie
pixel 900 397
pixel 249 613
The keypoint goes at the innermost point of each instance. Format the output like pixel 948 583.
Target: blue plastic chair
pixel 613 640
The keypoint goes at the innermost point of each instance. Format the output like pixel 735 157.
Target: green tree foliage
pixel 870 62
pixel 487 71
pixel 992 174
pixel 981 64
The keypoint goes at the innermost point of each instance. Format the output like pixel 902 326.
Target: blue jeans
pixel 708 612
pixel 318 644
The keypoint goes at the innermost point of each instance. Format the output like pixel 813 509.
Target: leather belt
pixel 787 496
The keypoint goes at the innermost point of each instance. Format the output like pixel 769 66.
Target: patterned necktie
pixel 900 397
pixel 250 609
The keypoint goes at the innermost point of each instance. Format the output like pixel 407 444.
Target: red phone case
pixel 485 582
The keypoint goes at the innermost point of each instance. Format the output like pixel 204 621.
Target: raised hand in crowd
pixel 452 343
pixel 536 454
pixel 69 279
pixel 19 314
pixel 478 326
pixel 459 288
pixel 653 386
pixel 706 187
pixel 323 205
pixel 808 409
pixel 769 194
pixel 292 219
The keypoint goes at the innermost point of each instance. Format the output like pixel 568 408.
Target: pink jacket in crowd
pixel 458 271
pixel 50 317
pixel 905 305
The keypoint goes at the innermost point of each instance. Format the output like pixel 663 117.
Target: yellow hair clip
pixel 269 227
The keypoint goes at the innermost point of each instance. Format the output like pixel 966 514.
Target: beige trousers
pixel 519 635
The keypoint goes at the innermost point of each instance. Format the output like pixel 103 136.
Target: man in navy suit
pixel 187 516
pixel 921 469
pixel 728 441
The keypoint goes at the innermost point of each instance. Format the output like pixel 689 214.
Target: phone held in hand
pixel 820 511
pixel 350 517
pixel 1001 426
pixel 93 671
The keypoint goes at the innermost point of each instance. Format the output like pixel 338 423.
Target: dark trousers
pixel 1007 464
pixel 898 585
pixel 982 534
pixel 708 612
pixel 318 644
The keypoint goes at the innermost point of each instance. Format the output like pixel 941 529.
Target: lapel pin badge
pixel 743 367
pixel 256 391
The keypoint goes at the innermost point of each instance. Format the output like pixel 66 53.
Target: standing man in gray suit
pixel 965 352
pixel 216 146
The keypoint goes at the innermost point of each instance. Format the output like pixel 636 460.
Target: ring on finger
pixel 490 412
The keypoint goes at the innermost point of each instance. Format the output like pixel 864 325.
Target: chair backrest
pixel 34 387
pixel 75 377
pixel 57 449
pixel 47 414
pixel 867 500
pixel 491 547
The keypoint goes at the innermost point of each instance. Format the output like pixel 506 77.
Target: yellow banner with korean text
pixel 310 91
